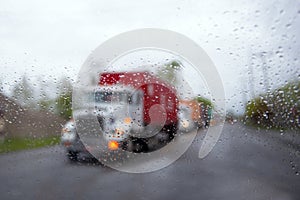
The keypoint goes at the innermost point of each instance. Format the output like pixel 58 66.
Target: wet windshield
pixel 170 99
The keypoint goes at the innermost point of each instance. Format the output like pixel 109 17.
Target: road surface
pixel 246 163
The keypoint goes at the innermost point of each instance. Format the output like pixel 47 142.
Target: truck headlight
pixel 65 130
pixel 67 135
pixel 185 123
pixel 113 145
pixel 127 120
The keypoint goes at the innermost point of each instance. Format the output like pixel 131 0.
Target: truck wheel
pixel 171 130
pixel 139 146
pixel 72 156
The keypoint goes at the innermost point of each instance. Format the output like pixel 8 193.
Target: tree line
pixel 55 95
pixel 50 95
pixel 277 109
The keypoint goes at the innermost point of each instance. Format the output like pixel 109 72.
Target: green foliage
pixel 206 102
pixel 17 144
pixel 175 64
pixel 46 104
pixel 290 94
pixel 64 105
pixel 257 110
pixel 277 109
pixel 206 107
pixel 168 73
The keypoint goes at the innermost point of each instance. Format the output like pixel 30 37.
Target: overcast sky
pixel 53 38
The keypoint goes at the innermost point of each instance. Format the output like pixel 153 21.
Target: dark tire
pixel 171 130
pixel 139 146
pixel 72 156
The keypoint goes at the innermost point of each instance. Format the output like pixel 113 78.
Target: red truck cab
pixel 150 103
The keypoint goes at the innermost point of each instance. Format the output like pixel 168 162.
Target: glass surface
pixel 255 47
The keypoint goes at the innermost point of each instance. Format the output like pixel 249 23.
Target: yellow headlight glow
pixel 185 123
pixel 113 145
pixel 127 120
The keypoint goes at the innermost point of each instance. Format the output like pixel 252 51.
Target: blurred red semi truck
pixel 132 107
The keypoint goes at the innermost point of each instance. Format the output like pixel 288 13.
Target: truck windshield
pixel 107 97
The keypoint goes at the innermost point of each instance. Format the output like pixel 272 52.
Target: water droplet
pixel 288 25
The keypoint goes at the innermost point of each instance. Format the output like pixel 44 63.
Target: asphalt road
pixel 245 164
